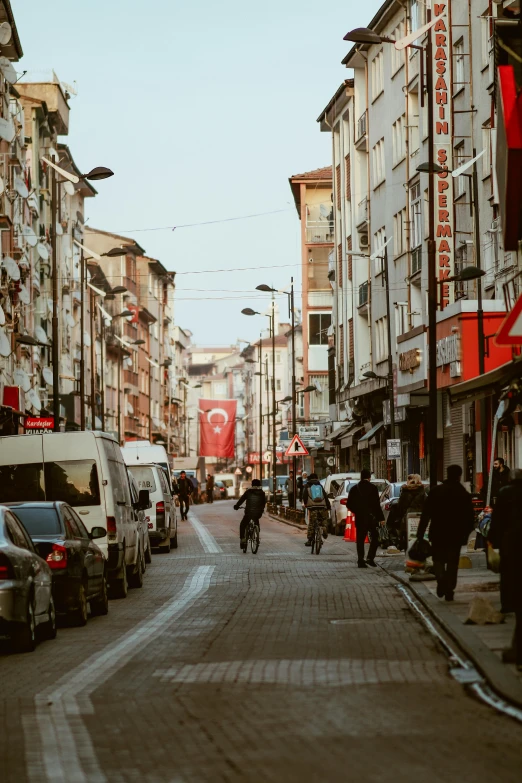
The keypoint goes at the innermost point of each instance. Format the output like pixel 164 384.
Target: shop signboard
pixel 393 448
pixel 38 425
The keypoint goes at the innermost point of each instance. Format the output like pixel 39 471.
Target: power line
pixel 204 222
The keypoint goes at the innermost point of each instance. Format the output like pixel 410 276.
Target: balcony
pixel 416 260
pixel 361 141
pixel 319 223
pixel 362 213
pixel 364 290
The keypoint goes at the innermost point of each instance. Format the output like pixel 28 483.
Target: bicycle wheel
pixel 318 539
pixel 254 539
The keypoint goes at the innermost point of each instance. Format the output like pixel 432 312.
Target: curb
pixel 286 522
pixel 498 675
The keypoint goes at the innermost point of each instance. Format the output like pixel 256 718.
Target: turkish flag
pixel 217 425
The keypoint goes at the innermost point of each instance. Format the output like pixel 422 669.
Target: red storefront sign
pixel 36 425
pixel 509 156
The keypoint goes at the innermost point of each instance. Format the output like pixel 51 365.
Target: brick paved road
pixel 278 667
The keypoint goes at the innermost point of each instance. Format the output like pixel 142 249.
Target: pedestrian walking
pixel 412 498
pixel 184 489
pixel 210 488
pixel 449 512
pixel 501 478
pixel 290 489
pixel 316 502
pixel 505 534
pixel 363 502
pixel 304 479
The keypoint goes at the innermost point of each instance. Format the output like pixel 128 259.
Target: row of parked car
pixel 79 517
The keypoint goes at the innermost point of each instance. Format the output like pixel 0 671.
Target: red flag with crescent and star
pixel 217 426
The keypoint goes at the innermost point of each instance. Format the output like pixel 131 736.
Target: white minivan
pixel 86 470
pixel 161 517
pixel 142 452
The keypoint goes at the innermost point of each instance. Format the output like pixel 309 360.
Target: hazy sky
pixel 203 109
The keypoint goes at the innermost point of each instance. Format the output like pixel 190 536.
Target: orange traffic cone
pixel 349 531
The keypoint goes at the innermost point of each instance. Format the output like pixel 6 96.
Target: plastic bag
pixel 419 551
pixel 384 536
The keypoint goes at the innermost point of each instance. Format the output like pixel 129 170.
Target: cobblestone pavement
pixel 283 666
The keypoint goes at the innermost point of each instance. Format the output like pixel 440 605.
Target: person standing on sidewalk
pixel 501 477
pixel 363 502
pixel 449 508
pixel 505 534
pixel 210 488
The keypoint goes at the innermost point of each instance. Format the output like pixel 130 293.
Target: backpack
pixel 315 496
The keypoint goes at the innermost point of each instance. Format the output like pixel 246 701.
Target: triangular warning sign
pixel 510 332
pixel 296 448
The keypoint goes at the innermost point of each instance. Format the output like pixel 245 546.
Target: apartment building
pixel 379 127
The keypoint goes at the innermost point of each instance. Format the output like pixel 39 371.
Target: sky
pixel 203 109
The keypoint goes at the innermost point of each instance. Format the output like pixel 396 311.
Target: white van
pixel 142 452
pixel 86 470
pixel 161 517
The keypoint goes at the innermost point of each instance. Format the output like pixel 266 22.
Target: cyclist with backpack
pixel 255 500
pixel 315 500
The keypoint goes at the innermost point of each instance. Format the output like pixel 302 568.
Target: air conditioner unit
pixel 364 241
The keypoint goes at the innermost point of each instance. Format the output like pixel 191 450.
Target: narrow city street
pixel 283 666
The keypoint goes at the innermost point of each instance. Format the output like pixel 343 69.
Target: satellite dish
pixel 42 251
pixel 86 339
pixel 34 399
pixel 47 374
pixel 21 378
pixel 7 130
pixel 7 70
pixel 59 229
pixel 40 335
pixel 5 33
pixel 69 188
pixel 5 345
pixel 29 235
pixel 20 187
pixel 11 267
pixel 24 295
pixel 69 88
pixel 2 316
pixel 24 261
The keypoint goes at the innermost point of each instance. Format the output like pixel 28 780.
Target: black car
pixel 78 566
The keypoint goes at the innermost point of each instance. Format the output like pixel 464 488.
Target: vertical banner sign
pixel 443 121
pixel 217 426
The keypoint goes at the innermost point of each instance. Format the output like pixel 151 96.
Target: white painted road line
pixel 59 747
pixel 208 542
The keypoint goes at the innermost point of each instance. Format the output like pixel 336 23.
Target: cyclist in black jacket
pixel 255 499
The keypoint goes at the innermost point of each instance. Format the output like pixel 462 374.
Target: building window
pixel 397 57
pixel 414 15
pixel 340 266
pixel 377 70
pixel 319 398
pixel 318 325
pixel 486 38
pixel 486 145
pixel 347 183
pixel 415 215
pixel 379 240
pixel 402 317
pixel 399 140
pixel 278 357
pixel 399 232
pixel 460 159
pixel 381 339
pixel 460 70
pixel 379 170
pixel 338 186
pixel 413 122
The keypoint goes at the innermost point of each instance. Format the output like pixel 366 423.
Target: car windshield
pixel 381 485
pixel 39 521
pixel 397 490
pixel 144 477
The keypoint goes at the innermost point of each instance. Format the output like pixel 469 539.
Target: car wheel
pixel 50 625
pixel 174 540
pixel 118 585
pixel 23 636
pixel 100 604
pixel 136 578
pixel 165 548
pixel 80 615
pixel 148 552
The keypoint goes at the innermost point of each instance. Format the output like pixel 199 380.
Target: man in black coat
pixel 505 534
pixel 184 489
pixel 255 500
pixel 501 477
pixel 450 509
pixel 363 502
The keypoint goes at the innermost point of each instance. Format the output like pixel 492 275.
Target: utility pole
pixel 119 390
pixel 274 453
pixel 480 324
pixel 102 373
pixel 185 419
pixel 55 352
pixel 391 395
pixel 82 341
pixel 294 423
pixel 260 406
pixel 93 368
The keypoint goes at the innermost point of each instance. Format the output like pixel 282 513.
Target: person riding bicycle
pixel 316 501
pixel 255 499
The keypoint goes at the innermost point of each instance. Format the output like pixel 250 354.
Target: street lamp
pixel 96 173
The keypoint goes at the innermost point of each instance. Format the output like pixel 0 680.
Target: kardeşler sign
pixel 444 228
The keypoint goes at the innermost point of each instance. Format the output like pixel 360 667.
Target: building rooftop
pixel 323 175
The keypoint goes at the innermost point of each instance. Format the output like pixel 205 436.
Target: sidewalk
pixel 483 644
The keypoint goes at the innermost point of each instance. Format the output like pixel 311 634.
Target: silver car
pixel 26 600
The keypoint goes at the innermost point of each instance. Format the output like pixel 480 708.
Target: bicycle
pixel 317 532
pixel 252 535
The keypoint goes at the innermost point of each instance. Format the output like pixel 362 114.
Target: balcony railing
pixel 361 126
pixel 416 260
pixel 319 231
pixel 362 211
pixel 363 294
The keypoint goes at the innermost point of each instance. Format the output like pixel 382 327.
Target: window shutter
pixel 338 185
pixel 350 340
pixel 348 178
pixel 340 266
pixel 350 258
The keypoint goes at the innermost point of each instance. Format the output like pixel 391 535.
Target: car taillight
pixel 57 557
pixel 6 571
pixel 343 501
pixel 160 513
pixel 111 525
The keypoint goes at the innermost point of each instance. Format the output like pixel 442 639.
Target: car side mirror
pixel 97 532
pixel 143 500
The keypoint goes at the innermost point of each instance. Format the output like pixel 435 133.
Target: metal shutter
pixel 453 435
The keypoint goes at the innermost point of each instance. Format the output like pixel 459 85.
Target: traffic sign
pixel 296 448
pixel 510 332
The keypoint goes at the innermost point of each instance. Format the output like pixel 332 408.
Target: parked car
pixel 78 567
pixel 220 490
pixel 334 481
pixel 142 452
pixel 391 494
pixel 243 486
pixel 339 511
pixel 143 530
pixel 48 468
pixel 26 598
pixel 281 489
pixel 161 517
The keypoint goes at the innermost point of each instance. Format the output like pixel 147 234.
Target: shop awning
pixel 364 442
pixel 486 384
pixel 347 439
pixel 335 435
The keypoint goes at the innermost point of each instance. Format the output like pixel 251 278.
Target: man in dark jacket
pixel 317 508
pixel 501 476
pixel 363 502
pixel 210 488
pixel 505 534
pixel 185 489
pixel 450 509
pixel 255 500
